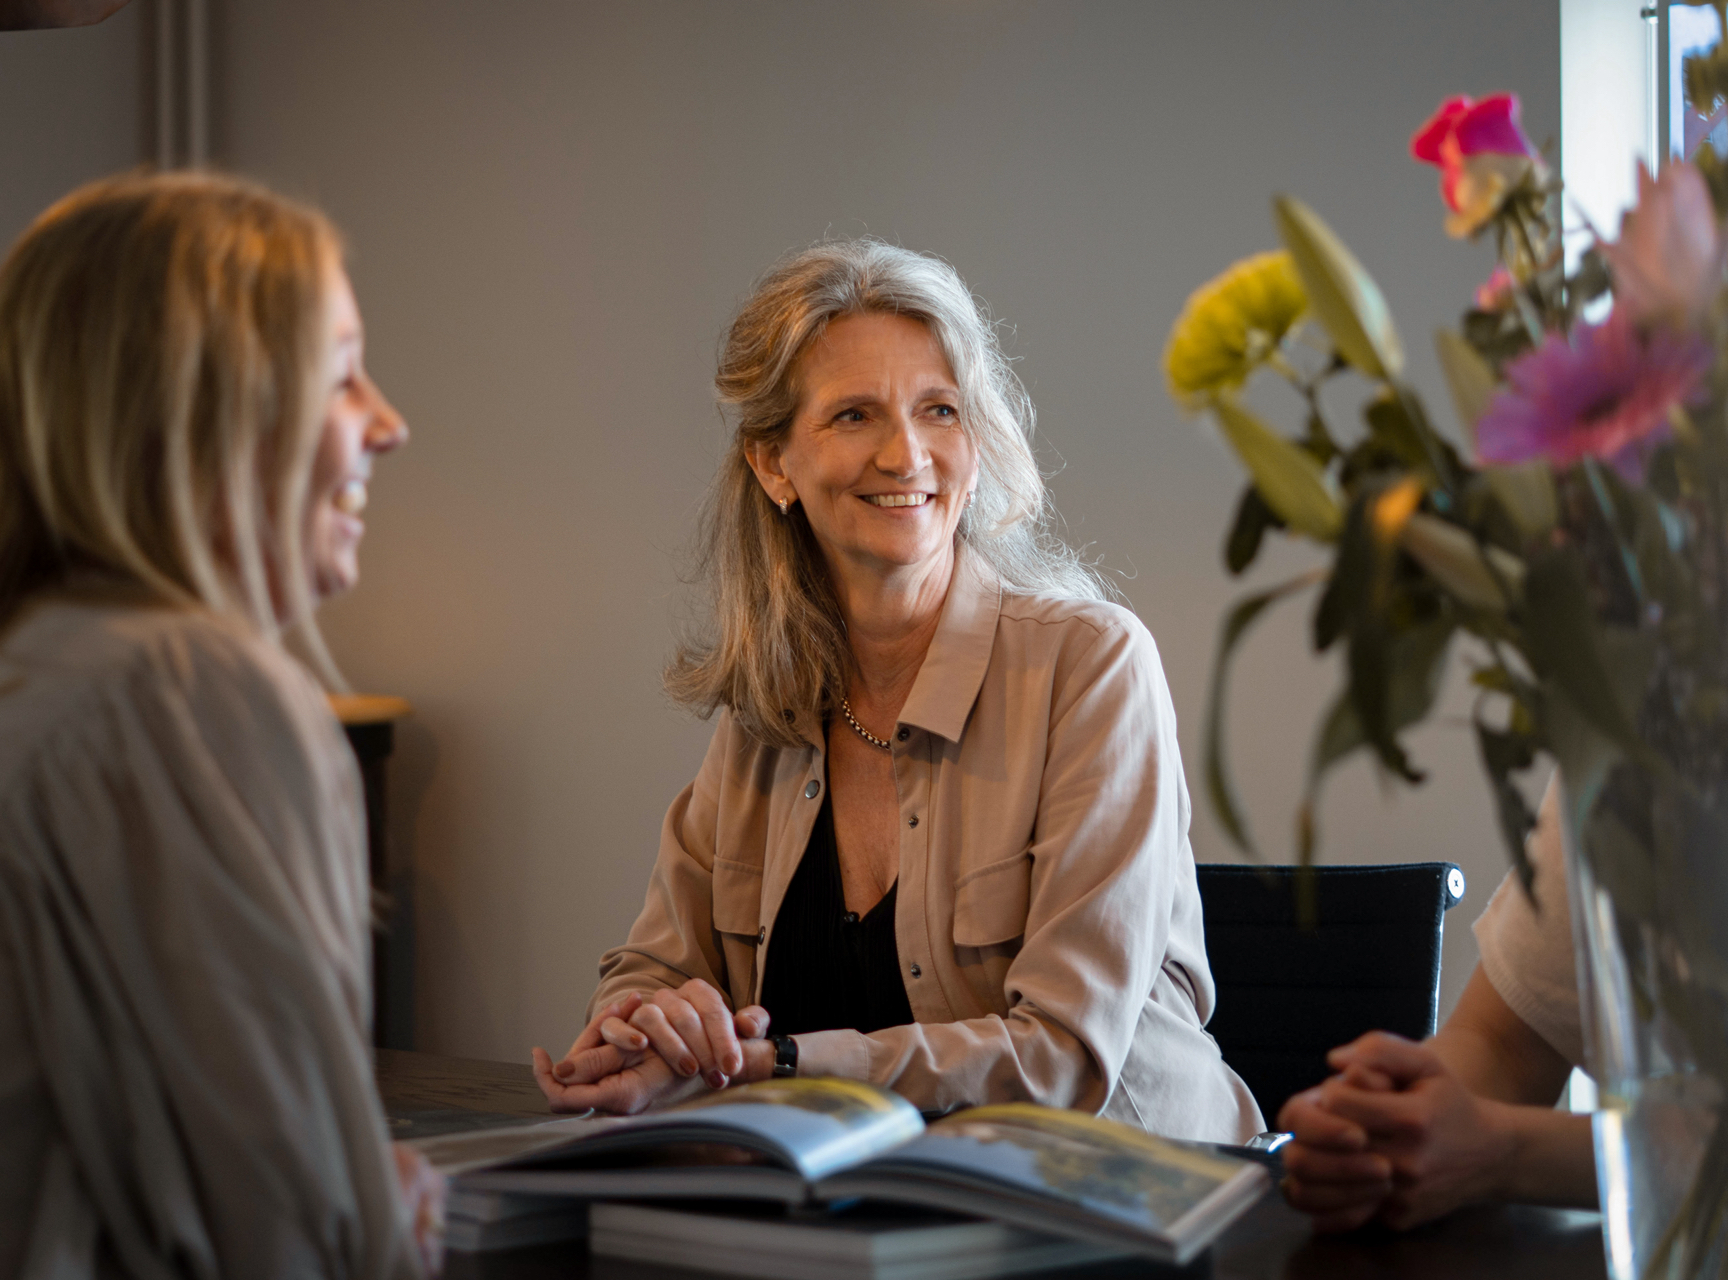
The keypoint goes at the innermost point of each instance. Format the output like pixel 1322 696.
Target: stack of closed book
pixel 847 1242
pixel 1031 1182
pixel 484 1221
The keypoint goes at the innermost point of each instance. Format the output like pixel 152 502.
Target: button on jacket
pixel 1048 920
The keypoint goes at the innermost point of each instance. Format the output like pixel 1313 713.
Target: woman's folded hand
pixel 1446 1146
pixel 646 1082
pixel 1329 1170
pixel 692 1028
pixel 1394 1135
pixel 638 1052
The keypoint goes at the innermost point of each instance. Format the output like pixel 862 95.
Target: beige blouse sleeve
pixel 184 912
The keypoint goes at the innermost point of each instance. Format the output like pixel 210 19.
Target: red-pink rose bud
pixel 1481 154
pixel 1490 125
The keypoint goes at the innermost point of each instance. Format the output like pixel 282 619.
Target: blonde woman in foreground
pixel 186 433
pixel 940 841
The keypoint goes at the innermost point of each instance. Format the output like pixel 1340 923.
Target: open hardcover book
pixel 801 1141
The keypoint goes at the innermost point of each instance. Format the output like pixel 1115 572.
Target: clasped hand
pixel 639 1052
pixel 1395 1135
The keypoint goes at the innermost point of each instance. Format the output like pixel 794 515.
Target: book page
pixel 813 1127
pixel 820 1125
pixel 456 1153
pixel 1095 1165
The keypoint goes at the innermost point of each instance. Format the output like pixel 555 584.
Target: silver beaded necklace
pixel 861 731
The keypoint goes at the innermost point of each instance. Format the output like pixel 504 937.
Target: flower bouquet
pixel 1578 551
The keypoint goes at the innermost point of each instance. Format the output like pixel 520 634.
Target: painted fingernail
pixel 564 1070
pixel 687 1066
pixel 716 1079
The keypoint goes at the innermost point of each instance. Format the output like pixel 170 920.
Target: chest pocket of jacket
pixel 737 897
pixel 990 904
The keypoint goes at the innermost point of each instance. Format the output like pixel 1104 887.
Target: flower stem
pixel 1531 308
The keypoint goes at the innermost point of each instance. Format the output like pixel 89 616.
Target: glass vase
pixel 1650 926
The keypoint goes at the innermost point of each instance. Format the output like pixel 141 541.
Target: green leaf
pixel 1456 561
pixel 1504 754
pixel 1497 336
pixel 1417 661
pixel 1353 574
pixel 1343 296
pixel 1340 734
pixel 1525 493
pixel 1394 677
pixel 1584 754
pixel 1293 484
pixel 1618 525
pixel 1402 438
pixel 1396 416
pixel 1253 519
pixel 1418 665
pixel 1659 546
pixel 1236 623
pixel 1598 671
pixel 1651 537
pixel 1320 442
pixel 1469 378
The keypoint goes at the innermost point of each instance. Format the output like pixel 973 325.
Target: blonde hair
pixel 777 643
pixel 162 340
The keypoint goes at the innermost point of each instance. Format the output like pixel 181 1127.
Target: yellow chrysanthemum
pixel 1231 325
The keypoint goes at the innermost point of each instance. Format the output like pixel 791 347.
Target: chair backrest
pixel 1287 994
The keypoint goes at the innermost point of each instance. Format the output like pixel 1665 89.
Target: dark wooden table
pixel 1272 1242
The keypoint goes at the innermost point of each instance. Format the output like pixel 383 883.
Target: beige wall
pixel 553 207
pixel 72 106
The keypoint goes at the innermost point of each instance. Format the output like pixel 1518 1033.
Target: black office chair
pixel 1287 994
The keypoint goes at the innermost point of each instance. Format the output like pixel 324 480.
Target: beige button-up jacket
pixel 1048 921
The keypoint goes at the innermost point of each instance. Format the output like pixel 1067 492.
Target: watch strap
pixel 785 1056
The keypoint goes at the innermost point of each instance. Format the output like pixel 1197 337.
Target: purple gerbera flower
pixel 1606 393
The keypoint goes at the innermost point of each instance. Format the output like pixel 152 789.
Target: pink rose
pixel 1482 156
pixel 1668 261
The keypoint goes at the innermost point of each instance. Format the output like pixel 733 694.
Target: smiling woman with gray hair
pixel 940 840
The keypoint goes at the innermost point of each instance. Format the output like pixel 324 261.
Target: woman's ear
pixel 764 459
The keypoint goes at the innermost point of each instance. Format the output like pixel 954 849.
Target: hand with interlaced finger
pixel 641 1051
pixel 1399 1136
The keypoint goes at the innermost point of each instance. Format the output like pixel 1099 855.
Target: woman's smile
pixel 350 499
pixel 900 500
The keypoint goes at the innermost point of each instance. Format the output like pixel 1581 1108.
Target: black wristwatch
pixel 785 1056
